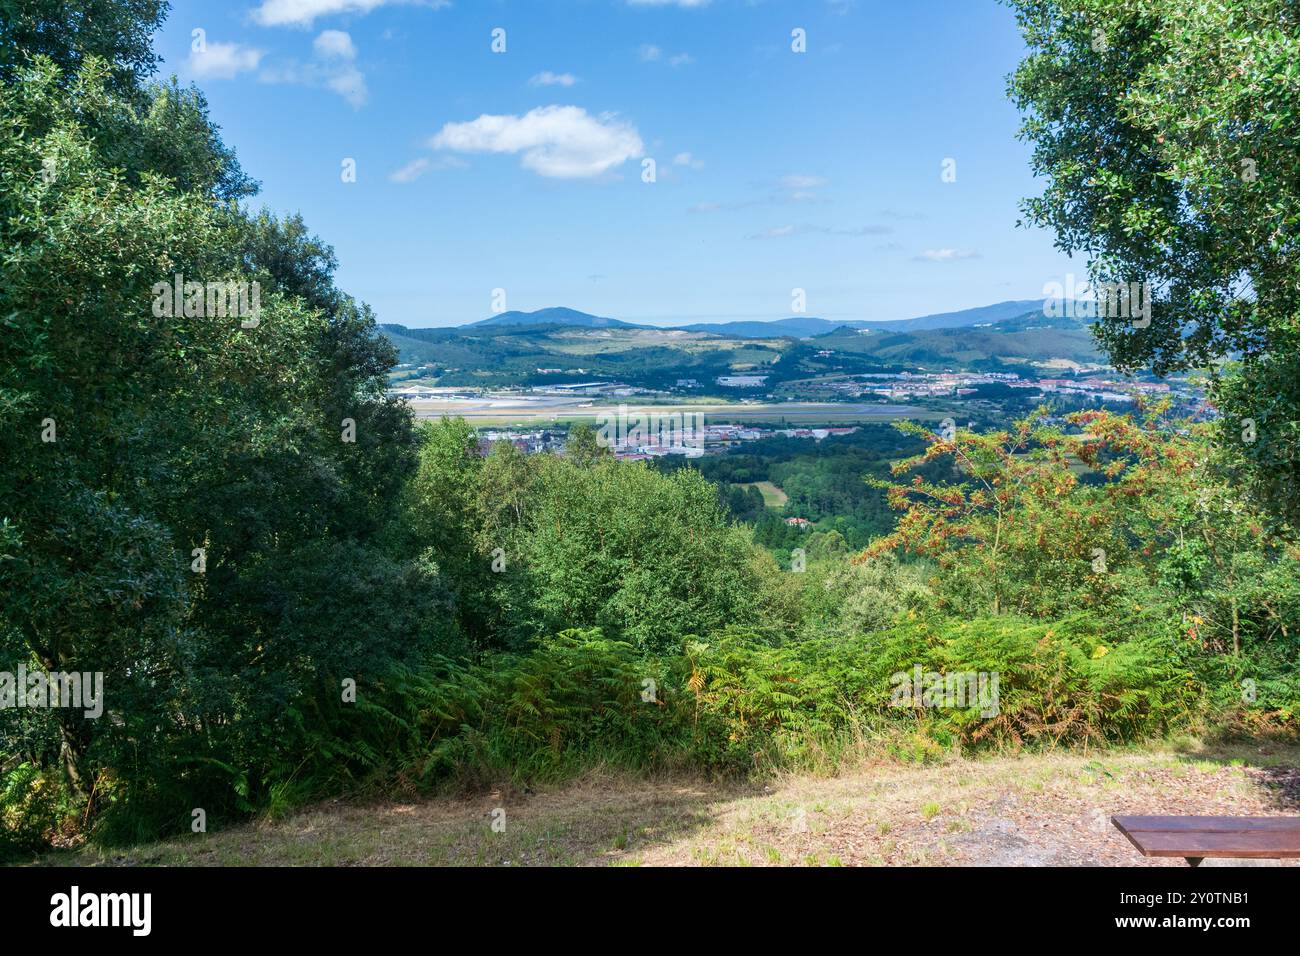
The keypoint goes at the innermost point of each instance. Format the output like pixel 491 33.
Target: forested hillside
pixel 822 480
pixel 513 354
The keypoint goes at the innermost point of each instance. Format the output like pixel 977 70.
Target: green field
pixel 773 496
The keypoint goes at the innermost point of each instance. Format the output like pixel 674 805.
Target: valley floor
pixel 1043 810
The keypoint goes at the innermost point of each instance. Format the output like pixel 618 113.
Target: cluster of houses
pixel 885 386
pixel 726 435
pixel 717 439
pixel 621 389
pixel 528 442
pixel 917 385
pixel 420 393
pixel 603 389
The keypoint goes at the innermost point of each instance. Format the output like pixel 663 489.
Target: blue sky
pixel 523 170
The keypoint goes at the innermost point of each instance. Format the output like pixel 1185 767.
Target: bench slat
pixel 1218 844
pixel 1246 837
pixel 1209 824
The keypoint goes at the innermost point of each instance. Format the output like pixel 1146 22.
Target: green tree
pixel 582 445
pixel 1169 135
pixel 69 32
pixel 646 557
pixel 1018 531
pixel 182 493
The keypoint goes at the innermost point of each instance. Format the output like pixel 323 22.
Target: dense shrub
pixel 732 704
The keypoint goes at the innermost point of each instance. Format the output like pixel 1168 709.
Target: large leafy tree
pixel 1169 135
pixel 69 32
pixel 198 508
pixel 647 557
pixel 540 544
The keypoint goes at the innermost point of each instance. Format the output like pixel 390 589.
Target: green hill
pixel 512 354
pixel 553 316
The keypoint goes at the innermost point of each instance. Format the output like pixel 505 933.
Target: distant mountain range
pixel 564 345
pixel 801 327
pixel 553 316
pixel 959 320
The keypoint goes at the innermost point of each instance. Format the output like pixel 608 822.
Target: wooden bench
pixel 1195 838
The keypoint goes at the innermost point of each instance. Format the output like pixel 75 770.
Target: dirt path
pixel 1021 811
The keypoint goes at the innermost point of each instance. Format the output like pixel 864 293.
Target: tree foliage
pixel 1169 135
pixel 181 511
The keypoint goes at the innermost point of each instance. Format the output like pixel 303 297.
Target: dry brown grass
pixel 1022 810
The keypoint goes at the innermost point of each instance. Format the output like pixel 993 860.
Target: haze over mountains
pixel 560 345
pixel 797 326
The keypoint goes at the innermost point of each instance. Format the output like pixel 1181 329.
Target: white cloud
pixel 900 215
pixel 350 83
pixel 807 229
pixel 345 80
pixel 650 53
pixel 302 13
pixel 562 142
pixel 334 44
pixel 802 182
pixel 418 167
pixel 796 188
pixel 410 172
pixel 668 3
pixel 686 159
pixel 946 255
pixel 775 232
pixel 332 68
pixel 726 206
pixel 547 78
pixel 222 61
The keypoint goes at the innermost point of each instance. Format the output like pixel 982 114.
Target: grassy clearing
pixel 773 497
pixel 1027 810
pixel 607 341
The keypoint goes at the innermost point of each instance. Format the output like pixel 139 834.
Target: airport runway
pixel 538 409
